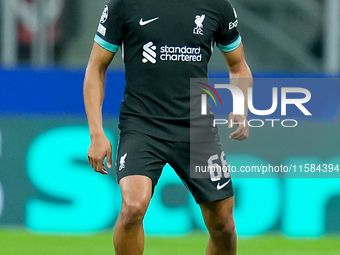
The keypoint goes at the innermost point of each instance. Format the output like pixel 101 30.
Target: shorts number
pixel 216 170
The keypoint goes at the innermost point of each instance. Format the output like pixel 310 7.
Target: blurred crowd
pixel 58 18
pixel 68 26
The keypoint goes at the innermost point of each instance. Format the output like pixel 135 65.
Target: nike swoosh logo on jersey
pixel 143 23
pixel 223 185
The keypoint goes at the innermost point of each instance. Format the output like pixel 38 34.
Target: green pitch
pixel 20 242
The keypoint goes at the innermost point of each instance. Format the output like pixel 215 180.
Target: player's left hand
pixel 242 132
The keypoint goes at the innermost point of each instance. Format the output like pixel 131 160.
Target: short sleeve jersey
pixel 164 44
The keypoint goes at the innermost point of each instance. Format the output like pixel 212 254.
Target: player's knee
pixel 132 213
pixel 224 228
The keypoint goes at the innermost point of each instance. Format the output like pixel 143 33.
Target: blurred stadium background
pixel 52 203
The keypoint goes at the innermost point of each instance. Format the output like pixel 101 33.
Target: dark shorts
pixel 141 154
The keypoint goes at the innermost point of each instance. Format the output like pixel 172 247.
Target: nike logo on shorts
pixel 223 185
pixel 143 23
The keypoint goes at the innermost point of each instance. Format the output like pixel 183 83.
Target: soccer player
pixel 164 44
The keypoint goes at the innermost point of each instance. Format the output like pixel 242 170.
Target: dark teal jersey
pixel 164 44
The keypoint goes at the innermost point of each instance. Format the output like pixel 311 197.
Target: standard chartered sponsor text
pixel 176 53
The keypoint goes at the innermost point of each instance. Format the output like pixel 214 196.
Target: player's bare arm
pixel 100 147
pixel 240 75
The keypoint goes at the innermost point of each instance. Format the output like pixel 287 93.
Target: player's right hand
pixel 100 148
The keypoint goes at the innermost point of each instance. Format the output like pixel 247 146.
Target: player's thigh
pixel 136 193
pixel 138 167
